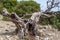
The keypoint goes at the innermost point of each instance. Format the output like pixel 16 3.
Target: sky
pixel 43 5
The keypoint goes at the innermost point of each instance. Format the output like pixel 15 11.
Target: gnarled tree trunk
pixel 25 27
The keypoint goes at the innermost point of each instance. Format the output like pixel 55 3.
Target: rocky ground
pixel 46 32
pixel 49 33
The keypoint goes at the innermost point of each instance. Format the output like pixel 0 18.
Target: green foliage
pixel 55 22
pixel 1 6
pixel 25 7
pixel 9 4
pixel 5 19
pixel 45 21
pixel 21 7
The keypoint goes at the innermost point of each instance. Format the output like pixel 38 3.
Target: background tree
pixel 21 7
pixel 25 7
pixel 9 4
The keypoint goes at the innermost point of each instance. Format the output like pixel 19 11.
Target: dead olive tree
pixel 24 26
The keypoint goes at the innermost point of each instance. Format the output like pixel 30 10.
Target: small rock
pixel 47 38
pixel 6 30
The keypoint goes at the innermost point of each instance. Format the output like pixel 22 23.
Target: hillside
pixel 46 32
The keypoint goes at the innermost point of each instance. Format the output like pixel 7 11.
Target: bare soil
pixel 46 32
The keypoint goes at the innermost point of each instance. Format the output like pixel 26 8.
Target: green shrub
pixel 27 7
pixel 5 19
pixel 45 21
pixel 56 22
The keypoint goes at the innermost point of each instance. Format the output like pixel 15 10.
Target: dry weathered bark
pixel 38 16
pixel 17 21
pixel 25 27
